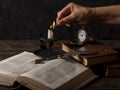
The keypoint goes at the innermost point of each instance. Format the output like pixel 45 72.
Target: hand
pixel 72 14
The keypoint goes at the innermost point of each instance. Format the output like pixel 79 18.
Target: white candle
pixel 50 34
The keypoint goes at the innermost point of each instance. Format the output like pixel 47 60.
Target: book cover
pixel 112 69
pixel 104 53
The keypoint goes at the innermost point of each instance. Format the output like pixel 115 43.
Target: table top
pixel 12 47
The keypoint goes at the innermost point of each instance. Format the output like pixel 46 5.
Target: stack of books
pixel 71 73
pixel 107 57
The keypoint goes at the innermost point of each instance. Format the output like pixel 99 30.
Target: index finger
pixel 64 12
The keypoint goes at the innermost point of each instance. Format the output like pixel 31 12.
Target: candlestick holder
pixel 46 49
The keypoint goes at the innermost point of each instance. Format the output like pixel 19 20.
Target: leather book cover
pixel 112 69
pixel 104 54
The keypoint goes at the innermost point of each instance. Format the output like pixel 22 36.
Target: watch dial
pixel 82 35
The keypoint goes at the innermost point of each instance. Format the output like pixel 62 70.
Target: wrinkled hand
pixel 73 14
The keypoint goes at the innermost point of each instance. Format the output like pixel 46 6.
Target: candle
pixel 50 34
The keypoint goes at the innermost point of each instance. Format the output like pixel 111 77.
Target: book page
pixel 56 72
pixel 16 65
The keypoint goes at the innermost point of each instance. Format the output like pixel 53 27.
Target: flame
pixel 53 25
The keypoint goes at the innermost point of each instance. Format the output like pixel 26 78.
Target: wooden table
pixel 12 47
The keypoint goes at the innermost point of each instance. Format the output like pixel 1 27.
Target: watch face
pixel 82 35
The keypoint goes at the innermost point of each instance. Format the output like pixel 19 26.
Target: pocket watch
pixel 82 36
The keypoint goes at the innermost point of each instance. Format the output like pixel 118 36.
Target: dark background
pixel 27 19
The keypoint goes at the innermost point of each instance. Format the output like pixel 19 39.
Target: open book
pixel 57 74
pixel 104 54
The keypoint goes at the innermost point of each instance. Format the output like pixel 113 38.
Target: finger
pixel 64 12
pixel 58 18
pixel 67 19
pixel 68 25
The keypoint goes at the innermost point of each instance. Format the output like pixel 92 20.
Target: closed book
pixel 104 54
pixel 112 70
